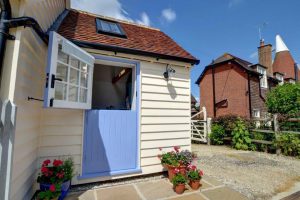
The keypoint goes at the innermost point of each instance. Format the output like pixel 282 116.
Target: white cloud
pixel 145 20
pixel 110 8
pixel 168 14
pixel 233 3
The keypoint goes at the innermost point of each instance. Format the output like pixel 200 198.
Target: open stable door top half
pixel 69 75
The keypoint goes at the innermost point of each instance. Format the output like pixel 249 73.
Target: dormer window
pixel 263 79
pixel 109 28
pixel 279 77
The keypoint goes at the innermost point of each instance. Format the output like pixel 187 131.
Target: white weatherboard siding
pixel 30 62
pixel 165 113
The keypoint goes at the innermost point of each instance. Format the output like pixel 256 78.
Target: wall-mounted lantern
pixel 169 71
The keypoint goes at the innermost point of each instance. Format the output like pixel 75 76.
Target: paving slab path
pixel 160 189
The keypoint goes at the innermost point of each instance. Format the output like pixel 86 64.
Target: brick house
pixel 231 85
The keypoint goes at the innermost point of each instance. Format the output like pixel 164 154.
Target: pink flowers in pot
pixel 194 175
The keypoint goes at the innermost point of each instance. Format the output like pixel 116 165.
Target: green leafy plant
pixel 53 192
pixel 228 122
pixel 176 157
pixel 289 144
pixel 217 134
pixel 284 99
pixel 240 136
pixel 178 178
pixel 193 173
pixel 54 173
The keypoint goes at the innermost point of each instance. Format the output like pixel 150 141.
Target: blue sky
pixel 209 28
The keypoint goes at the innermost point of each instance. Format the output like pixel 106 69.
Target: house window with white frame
pixel 263 79
pixel 280 78
pixel 256 113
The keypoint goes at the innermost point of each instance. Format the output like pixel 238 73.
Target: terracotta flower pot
pixel 179 189
pixel 171 173
pixel 194 184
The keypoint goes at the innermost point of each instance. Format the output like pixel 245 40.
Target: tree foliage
pixel 284 99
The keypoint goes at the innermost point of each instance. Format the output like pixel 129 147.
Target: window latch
pixel 53 79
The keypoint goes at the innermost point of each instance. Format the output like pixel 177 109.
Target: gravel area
pixel 255 174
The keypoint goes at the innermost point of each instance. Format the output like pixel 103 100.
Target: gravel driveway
pixel 257 175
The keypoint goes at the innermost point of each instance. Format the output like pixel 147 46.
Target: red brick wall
pixel 206 93
pixel 231 83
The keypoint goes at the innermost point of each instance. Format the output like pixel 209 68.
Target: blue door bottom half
pixel 110 144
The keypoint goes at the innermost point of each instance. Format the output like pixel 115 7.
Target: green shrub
pixel 284 99
pixel 240 136
pixel 228 122
pixel 289 144
pixel 217 134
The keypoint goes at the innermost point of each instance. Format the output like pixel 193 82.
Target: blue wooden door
pixel 110 142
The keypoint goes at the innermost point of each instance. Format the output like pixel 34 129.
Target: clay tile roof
pixel 284 63
pixel 226 57
pixel 80 27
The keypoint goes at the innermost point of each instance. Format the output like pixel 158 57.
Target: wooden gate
pixel 200 126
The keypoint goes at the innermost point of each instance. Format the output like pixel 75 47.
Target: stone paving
pixel 160 189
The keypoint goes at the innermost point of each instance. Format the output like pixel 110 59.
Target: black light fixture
pixel 169 71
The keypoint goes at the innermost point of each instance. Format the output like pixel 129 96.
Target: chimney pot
pixel 262 42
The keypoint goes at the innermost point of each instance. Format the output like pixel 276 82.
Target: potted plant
pixel 194 175
pixel 178 181
pixel 170 162
pixel 52 194
pixel 57 175
pixel 176 159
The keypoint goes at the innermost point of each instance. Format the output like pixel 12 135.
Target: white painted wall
pixel 24 73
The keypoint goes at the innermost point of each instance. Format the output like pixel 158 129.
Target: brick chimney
pixel 265 56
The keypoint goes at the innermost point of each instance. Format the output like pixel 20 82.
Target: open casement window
pixel 69 75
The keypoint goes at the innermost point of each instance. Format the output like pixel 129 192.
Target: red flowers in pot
pixel 55 179
pixel 178 181
pixel 194 175
pixel 176 159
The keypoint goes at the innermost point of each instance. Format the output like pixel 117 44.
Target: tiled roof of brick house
pixel 226 57
pixel 81 26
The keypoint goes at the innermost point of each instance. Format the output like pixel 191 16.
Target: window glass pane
pixel 62 72
pixel 75 62
pixel 114 28
pixel 73 93
pixel 84 67
pixel 83 95
pixel 62 57
pixel 60 91
pixel 74 76
pixel 84 79
pixel 105 26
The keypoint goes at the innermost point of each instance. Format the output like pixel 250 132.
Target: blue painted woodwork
pixel 111 141
pixel 111 137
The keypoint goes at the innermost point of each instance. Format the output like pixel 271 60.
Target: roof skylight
pixel 109 28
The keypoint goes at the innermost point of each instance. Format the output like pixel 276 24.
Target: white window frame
pixel 256 113
pixel 263 79
pixel 76 52
pixel 280 78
